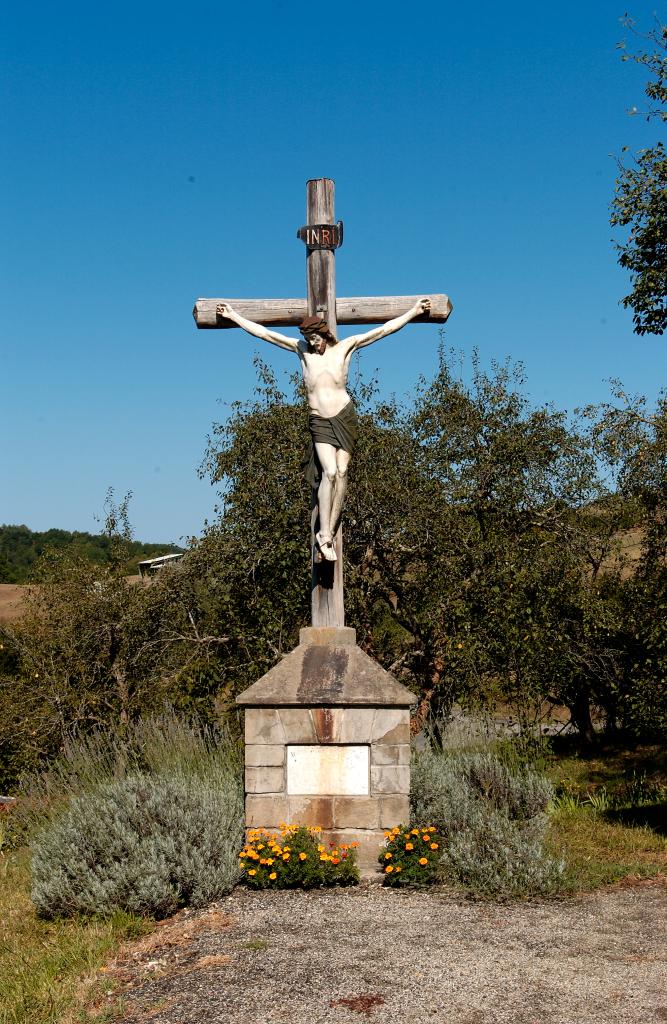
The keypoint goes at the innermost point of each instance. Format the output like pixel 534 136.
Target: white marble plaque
pixel 328 770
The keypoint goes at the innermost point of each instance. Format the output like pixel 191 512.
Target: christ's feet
pixel 325 545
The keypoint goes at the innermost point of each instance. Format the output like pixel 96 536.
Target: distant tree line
pixel 20 548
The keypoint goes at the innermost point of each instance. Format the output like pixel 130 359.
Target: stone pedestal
pixel 327 735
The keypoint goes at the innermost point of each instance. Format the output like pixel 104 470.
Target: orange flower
pixel 335 860
pixel 409 846
pixel 423 860
pixel 389 869
pixel 426 838
pixel 303 856
pixel 397 868
pixel 273 876
pixel 260 846
pixel 388 856
pixel 434 846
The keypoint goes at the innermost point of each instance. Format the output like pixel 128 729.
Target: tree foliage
pixel 640 200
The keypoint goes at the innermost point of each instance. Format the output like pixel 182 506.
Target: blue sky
pixel 152 154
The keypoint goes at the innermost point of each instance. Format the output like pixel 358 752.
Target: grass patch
pixel 47 968
pixel 610 820
pixel 599 852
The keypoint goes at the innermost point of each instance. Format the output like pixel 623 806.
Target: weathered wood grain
pixel 360 309
pixel 327 599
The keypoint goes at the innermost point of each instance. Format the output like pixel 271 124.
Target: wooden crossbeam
pixel 362 309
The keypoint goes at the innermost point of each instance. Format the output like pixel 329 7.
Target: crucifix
pixel 324 361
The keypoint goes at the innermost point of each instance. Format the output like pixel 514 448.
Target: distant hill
pixel 20 548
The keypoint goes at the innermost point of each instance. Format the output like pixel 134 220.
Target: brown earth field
pixel 11 601
pixel 385 956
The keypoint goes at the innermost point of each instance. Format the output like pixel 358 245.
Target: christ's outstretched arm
pixel 361 340
pixel 281 340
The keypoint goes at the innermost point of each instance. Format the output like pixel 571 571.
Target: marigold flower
pixel 263 860
pixel 320 849
pixel 426 838
pixel 260 846
pixel 303 856
pixel 252 871
pixel 243 865
pixel 434 846
pixel 324 856
pixel 354 845
pixel 388 856
pixel 433 829
pixel 389 868
pixel 335 860
pixel 415 832
pixel 409 846
pixel 397 868
pixel 270 860
pixel 423 860
pixel 286 856
pixel 273 876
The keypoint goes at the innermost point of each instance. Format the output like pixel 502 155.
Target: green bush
pixel 297 858
pixel 143 844
pixel 491 822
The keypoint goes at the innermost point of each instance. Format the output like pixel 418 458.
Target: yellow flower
pixel 243 865
pixel 409 846
pixel 434 846
pixel 433 829
pixel 389 868
pixel 260 846
pixel 273 876
pixel 252 871
pixel 303 856
pixel 286 856
pixel 323 856
pixel 388 856
pixel 397 868
pixel 415 832
pixel 423 860
pixel 269 860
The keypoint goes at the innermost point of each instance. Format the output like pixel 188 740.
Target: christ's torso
pixel 325 377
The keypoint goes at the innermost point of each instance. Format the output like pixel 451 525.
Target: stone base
pixel 328 694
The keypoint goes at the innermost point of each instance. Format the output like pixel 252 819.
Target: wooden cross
pixel 322 235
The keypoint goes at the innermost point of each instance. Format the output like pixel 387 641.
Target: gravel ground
pixel 383 955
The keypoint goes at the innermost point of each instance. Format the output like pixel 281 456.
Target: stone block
pixel 265 811
pixel 390 779
pixel 263 725
pixel 298 725
pixel 370 842
pixel 391 725
pixel 391 753
pixel 328 723
pixel 357 725
pixel 356 812
pixel 394 810
pixel 258 755
pixel 311 811
pixel 265 780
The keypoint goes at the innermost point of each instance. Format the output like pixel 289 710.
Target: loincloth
pixel 340 431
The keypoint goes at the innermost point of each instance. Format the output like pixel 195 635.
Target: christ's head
pixel 317 333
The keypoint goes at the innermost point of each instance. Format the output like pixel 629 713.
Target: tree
pixel 640 201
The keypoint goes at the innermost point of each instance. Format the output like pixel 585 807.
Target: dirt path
pixel 402 956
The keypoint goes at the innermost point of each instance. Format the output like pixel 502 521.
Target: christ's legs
pixel 326 454
pixel 342 462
